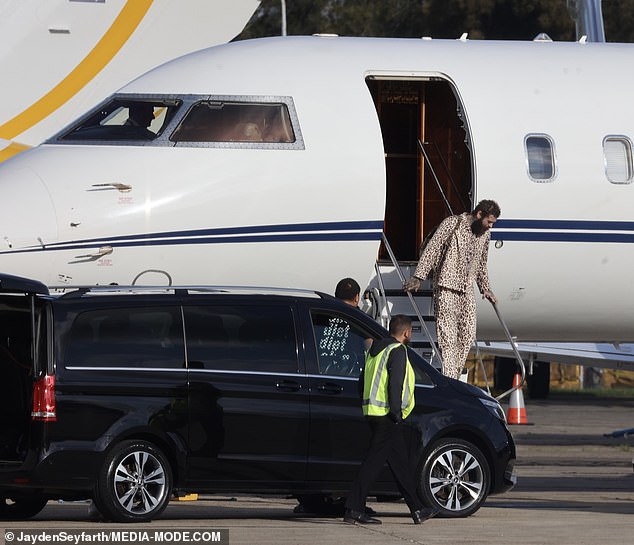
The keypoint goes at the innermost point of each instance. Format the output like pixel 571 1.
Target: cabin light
pixel 542 37
pixel 325 35
pixel 425 37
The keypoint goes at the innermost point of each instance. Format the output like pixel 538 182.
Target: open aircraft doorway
pixel 425 110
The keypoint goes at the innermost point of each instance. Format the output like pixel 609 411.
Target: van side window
pixel 340 343
pixel 212 121
pixel 127 337
pixel 241 338
pixel 422 377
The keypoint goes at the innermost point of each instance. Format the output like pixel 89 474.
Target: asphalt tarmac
pixel 575 487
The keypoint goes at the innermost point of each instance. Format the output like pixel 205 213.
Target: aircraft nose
pixel 27 214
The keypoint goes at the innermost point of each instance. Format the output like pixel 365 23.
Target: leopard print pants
pixel 455 328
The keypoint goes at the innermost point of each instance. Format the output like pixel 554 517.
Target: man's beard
pixel 477 227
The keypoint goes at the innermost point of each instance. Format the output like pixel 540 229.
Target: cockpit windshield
pixel 215 121
pixel 188 121
pixel 125 119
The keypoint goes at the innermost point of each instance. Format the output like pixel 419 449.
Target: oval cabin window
pixel 617 157
pixel 540 158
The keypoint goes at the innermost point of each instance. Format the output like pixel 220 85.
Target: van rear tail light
pixel 44 399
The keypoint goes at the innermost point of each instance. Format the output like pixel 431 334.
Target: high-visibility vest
pixel 375 384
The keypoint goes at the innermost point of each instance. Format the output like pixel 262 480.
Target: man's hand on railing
pixel 413 284
pixel 488 294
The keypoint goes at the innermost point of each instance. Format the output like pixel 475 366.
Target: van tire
pixel 135 482
pixel 21 508
pixel 455 478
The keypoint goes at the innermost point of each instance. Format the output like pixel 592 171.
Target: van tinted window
pixel 340 343
pixel 127 337
pixel 417 361
pixel 241 338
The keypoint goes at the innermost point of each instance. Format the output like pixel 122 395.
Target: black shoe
pixel 421 515
pixel 354 517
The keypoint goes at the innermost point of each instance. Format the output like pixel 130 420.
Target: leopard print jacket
pixel 456 255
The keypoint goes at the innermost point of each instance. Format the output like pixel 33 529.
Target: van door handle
pixel 288 385
pixel 330 388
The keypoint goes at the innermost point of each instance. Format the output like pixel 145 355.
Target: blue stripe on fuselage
pixel 299 232
pixel 526 230
pixel 563 231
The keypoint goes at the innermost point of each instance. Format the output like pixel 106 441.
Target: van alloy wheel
pixel 135 483
pixel 455 478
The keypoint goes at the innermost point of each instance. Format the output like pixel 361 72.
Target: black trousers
pixel 387 444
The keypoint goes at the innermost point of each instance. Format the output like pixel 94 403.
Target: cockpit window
pixel 188 121
pixel 122 119
pixel 216 121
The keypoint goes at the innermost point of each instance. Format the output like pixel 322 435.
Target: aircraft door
pixel 415 114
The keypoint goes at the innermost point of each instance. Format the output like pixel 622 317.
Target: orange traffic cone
pixel 517 412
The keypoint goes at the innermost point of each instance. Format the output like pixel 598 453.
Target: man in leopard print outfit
pixel 457 253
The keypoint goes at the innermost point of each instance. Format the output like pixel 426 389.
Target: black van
pixel 131 396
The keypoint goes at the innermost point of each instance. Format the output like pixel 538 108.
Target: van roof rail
pixel 67 291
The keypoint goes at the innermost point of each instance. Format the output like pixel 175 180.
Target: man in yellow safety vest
pixel 388 399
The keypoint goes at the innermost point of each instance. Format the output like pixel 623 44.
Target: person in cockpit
pixel 140 116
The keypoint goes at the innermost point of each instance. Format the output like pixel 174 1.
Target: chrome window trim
pixel 220 371
pixel 182 369
pixel 118 368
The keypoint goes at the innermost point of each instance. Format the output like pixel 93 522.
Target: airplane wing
pixel 604 355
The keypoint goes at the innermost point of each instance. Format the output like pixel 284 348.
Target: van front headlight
pixel 494 407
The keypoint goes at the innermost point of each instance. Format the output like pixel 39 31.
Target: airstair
pixel 387 298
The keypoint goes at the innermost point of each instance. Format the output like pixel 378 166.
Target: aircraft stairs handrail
pixel 516 352
pixel 447 172
pixel 434 349
pixel 380 295
pixel 510 339
pixel 433 171
pixel 435 353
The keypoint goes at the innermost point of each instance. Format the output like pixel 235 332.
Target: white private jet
pixel 283 161
pixel 60 57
